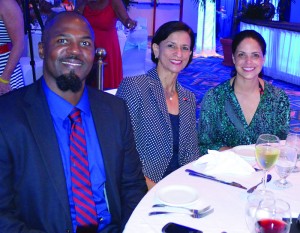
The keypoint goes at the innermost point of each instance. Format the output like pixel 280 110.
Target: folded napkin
pixel 216 162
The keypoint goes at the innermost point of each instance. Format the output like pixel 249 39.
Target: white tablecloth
pixel 27 69
pixel 228 203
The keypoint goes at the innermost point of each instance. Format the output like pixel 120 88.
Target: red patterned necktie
pixel 80 176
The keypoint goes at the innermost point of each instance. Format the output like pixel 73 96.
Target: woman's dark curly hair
pixel 168 28
pixel 248 34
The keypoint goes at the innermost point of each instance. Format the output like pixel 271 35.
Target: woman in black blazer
pixel 162 111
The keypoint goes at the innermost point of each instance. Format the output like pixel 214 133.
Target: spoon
pixel 250 190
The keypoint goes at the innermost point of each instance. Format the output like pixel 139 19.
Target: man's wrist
pixel 4 81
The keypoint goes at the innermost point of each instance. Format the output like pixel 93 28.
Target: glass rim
pixel 275 200
pixel 268 138
pixel 298 134
pixel 289 147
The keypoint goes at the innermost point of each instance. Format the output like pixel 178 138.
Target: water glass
pixel 285 165
pixel 293 140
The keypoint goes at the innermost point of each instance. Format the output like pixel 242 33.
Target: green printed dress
pixel 222 122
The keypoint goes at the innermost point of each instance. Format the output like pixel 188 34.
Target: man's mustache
pixel 71 57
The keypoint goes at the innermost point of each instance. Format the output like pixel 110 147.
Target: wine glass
pixel 273 216
pixel 267 152
pixel 285 165
pixel 253 201
pixel 293 140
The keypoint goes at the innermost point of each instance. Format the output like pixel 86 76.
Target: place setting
pixel 223 189
pixel 180 199
pixel 224 167
pixel 247 152
pixel 281 156
pixel 241 166
pixel 265 211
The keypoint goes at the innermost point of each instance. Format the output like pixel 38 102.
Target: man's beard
pixel 69 81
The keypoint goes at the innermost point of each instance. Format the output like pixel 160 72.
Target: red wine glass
pixel 273 216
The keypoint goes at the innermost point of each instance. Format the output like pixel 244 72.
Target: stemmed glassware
pixel 285 165
pixel 267 152
pixel 273 216
pixel 293 140
pixel 253 201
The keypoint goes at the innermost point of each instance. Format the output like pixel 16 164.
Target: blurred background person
pixel 103 16
pixel 237 111
pixel 11 45
pixel 221 22
pixel 163 113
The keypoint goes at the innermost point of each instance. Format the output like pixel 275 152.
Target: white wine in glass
pixel 267 152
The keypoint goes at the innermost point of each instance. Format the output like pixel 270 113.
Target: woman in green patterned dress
pixel 237 111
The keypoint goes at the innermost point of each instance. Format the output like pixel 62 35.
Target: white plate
pixel 247 152
pixel 177 195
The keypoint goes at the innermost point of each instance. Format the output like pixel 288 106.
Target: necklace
pixel 261 89
pixel 169 95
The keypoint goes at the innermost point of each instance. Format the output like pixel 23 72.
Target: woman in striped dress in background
pixel 11 45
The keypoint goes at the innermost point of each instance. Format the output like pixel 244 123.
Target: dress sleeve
pixel 282 124
pixel 207 126
pixel 129 91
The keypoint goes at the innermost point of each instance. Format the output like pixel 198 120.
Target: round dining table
pixel 227 201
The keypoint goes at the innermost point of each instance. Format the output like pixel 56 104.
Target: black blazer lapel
pixel 157 91
pixel 40 121
pixel 105 129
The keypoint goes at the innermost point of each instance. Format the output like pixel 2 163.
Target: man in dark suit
pixel 36 181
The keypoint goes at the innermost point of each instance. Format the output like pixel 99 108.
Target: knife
pixel 202 174
pixel 198 174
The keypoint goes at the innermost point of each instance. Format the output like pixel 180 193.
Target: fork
pixel 193 211
pixel 251 190
pixel 193 215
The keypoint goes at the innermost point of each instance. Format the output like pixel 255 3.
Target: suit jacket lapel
pixel 101 120
pixel 157 91
pixel 40 121
pixel 105 130
pixel 185 111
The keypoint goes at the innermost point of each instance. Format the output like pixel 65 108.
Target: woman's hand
pixel 224 148
pixel 4 88
pixel 130 24
pixel 150 183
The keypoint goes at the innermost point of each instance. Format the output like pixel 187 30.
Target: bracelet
pixel 4 81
